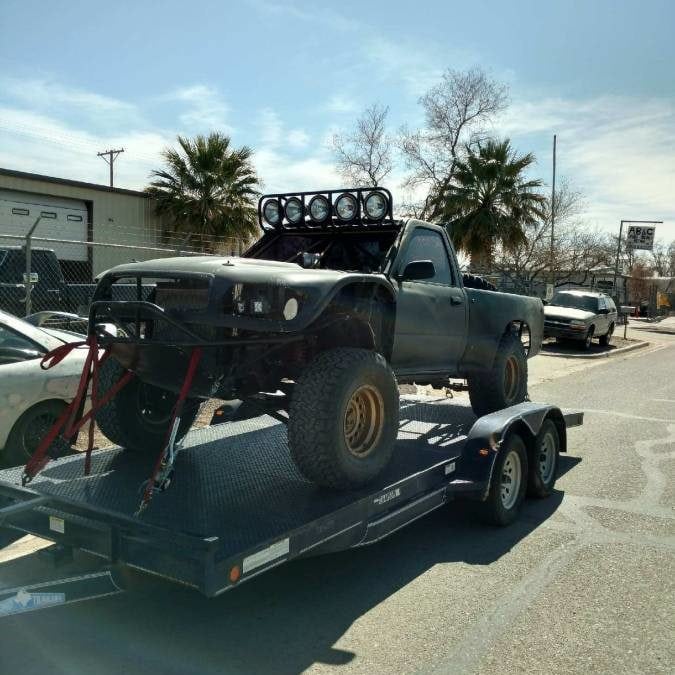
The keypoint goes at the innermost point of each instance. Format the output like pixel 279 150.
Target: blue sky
pixel 282 76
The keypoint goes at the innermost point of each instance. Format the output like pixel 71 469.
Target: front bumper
pixel 564 331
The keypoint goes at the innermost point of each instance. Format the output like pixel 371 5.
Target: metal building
pixel 78 212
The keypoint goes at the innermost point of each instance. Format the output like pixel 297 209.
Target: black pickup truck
pixel 49 289
pixel 335 305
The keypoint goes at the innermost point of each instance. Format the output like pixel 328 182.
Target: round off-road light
pixel 290 309
pixel 319 209
pixel 271 212
pixel 376 206
pixel 346 206
pixel 294 212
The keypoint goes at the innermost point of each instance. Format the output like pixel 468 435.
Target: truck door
pixel 430 331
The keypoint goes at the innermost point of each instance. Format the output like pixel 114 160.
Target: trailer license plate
pixel 57 524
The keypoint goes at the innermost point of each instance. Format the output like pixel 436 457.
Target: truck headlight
pixel 291 309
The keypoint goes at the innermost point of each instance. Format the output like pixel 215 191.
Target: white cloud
pixel 297 139
pixel 206 108
pixel 270 128
pixel 316 15
pixel 339 103
pixel 619 151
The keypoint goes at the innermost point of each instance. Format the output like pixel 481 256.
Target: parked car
pixel 581 316
pixel 31 398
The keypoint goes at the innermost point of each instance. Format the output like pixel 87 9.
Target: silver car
pixel 581 316
pixel 31 398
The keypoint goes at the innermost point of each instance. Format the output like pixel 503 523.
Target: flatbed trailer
pixel 238 507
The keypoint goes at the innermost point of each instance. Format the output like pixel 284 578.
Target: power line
pixel 110 159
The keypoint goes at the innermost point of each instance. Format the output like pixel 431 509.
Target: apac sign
pixel 640 237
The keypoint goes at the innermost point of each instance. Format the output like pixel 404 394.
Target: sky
pixel 284 76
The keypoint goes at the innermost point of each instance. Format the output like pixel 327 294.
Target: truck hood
pixel 236 269
pixel 556 312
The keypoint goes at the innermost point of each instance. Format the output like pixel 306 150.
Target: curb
pixel 604 355
pixel 658 331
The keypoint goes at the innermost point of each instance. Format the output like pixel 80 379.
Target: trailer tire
pixel 544 464
pixel 508 484
pixel 505 384
pixel 126 422
pixel 343 418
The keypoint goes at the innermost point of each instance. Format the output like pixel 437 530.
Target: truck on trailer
pixel 335 305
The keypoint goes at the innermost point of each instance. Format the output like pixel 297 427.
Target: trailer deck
pixel 237 505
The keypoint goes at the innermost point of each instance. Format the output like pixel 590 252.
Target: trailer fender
pixel 489 432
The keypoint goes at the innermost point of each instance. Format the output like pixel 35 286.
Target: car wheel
pixel 588 340
pixel 138 417
pixel 509 482
pixel 343 418
pixel 506 382
pixel 606 339
pixel 30 429
pixel 544 461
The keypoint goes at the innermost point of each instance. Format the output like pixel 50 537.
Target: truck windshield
pixel 585 302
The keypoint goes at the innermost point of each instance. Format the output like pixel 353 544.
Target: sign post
pixel 637 237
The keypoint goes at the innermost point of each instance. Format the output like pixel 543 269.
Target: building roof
pixel 72 183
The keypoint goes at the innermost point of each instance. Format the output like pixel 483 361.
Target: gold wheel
pixel 363 421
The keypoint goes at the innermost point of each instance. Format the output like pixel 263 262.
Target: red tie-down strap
pixel 71 419
pixel 195 357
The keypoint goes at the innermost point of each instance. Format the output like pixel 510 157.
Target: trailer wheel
pixel 505 384
pixel 544 469
pixel 343 418
pixel 508 485
pixel 137 418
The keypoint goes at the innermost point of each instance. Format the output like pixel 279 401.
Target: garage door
pixel 61 218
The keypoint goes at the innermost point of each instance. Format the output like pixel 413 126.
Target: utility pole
pixel 110 156
pixel 552 258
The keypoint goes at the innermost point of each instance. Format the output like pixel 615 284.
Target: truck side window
pixel 426 244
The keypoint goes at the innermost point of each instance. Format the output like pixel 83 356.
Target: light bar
pixel 349 207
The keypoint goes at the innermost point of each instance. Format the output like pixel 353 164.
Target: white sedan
pixel 31 398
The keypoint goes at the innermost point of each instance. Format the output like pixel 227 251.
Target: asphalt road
pixel 584 582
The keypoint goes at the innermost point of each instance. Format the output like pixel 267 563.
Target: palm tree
pixel 491 202
pixel 207 188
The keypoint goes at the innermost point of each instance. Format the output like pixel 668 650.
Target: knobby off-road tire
pixel 138 417
pixel 508 485
pixel 343 418
pixel 505 384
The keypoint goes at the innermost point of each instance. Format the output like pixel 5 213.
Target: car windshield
pixel 587 303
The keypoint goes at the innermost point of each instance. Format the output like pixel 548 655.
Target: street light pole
pixel 552 257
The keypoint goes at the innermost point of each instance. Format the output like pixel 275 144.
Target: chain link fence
pixel 42 272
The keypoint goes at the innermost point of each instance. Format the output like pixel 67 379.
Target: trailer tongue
pixel 235 513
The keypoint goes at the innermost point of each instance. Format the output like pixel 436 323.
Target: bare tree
pixel 577 249
pixel 457 111
pixel 364 156
pixel 661 258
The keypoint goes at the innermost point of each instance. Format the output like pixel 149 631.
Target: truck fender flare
pixel 488 433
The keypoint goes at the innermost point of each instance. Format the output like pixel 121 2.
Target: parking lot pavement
pixel 583 582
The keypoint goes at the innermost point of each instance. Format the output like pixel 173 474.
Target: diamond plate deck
pixel 237 481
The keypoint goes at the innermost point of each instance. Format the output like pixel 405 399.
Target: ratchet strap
pixel 161 472
pixel 72 419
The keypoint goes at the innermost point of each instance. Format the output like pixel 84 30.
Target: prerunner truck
pixel 321 318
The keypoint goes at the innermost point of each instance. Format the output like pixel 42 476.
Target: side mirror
pixel 417 270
